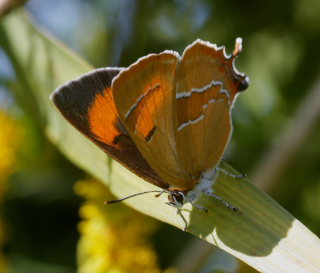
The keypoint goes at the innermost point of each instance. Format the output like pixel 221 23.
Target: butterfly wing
pixel 206 85
pixel 144 98
pixel 87 103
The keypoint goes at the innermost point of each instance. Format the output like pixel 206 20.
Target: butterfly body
pixel 166 117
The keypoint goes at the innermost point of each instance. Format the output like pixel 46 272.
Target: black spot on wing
pixel 150 134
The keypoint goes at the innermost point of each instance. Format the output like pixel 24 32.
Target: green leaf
pixel 261 233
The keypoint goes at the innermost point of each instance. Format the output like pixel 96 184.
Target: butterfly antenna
pixel 132 195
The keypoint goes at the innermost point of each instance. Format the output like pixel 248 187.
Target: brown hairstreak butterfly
pixel 167 118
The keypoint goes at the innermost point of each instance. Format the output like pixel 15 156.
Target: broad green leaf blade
pixel 261 233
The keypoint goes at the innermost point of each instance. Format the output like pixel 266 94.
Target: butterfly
pixel 166 117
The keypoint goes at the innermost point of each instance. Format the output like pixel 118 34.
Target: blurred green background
pixel 52 214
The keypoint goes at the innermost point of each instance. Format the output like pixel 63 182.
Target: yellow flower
pixel 113 238
pixel 10 139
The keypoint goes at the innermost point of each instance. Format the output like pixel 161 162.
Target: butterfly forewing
pixel 144 98
pixel 87 103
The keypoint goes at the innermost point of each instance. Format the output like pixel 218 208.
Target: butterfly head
pixel 176 198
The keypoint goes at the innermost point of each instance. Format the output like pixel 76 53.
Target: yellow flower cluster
pixel 113 238
pixel 10 138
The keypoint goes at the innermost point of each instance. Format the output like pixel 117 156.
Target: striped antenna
pixel 133 195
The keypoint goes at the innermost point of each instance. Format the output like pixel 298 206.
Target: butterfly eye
pixel 178 197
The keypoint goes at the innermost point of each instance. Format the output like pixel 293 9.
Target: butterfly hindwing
pixel 206 84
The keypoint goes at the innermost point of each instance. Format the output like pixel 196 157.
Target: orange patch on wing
pixel 102 114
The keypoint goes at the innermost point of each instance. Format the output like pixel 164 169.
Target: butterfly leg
pixel 221 200
pixel 180 214
pixel 199 207
pixel 237 176
pixel 184 219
